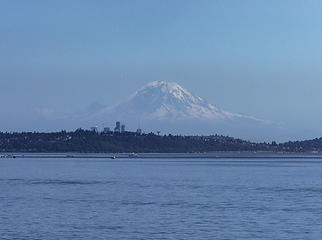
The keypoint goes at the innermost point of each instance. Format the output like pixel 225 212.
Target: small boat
pixel 113 157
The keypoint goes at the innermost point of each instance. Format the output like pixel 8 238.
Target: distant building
pixel 117 127
pixel 123 128
pixel 94 129
pixel 139 131
pixel 107 130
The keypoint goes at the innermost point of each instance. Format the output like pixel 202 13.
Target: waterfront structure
pixel 123 128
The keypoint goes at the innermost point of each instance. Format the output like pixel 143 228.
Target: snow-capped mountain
pixel 168 107
pixel 161 100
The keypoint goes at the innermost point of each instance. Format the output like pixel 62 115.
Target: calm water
pixel 160 199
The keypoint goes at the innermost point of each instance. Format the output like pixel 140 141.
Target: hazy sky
pixel 261 58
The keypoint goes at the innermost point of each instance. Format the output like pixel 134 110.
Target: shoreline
pixel 217 155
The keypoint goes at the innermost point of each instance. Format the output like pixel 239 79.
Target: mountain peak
pixel 168 90
pixel 168 101
pixel 160 83
pixel 161 100
pixel 165 86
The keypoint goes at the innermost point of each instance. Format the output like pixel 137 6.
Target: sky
pixel 256 57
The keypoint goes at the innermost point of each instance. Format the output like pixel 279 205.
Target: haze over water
pixel 160 199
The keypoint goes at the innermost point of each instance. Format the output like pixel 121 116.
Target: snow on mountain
pixel 161 100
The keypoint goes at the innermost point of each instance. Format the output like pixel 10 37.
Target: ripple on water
pixel 53 182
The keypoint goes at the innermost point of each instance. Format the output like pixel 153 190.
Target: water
pixel 160 199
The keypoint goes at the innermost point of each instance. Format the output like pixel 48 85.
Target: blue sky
pixel 261 58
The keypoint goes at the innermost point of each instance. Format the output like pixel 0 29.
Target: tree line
pixel 89 141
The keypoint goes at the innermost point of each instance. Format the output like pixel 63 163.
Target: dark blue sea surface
pixel 168 198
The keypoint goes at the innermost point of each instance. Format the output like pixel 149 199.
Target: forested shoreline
pixel 85 141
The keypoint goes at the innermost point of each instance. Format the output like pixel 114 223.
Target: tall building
pixel 117 127
pixel 123 128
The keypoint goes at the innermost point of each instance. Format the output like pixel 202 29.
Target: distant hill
pixel 89 141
